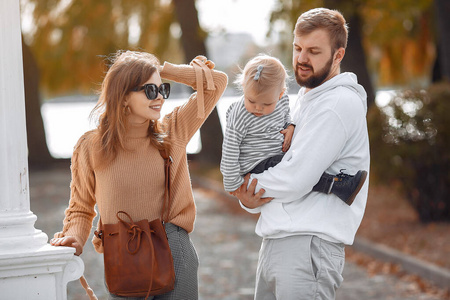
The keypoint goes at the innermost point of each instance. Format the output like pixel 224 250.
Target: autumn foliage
pixel 410 139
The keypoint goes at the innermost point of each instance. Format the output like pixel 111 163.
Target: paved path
pixel 225 241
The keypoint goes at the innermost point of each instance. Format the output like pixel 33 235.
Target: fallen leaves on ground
pixel 415 284
pixel 390 220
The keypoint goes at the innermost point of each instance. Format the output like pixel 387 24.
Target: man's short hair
pixel 322 18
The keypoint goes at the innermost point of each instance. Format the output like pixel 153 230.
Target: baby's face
pixel 263 103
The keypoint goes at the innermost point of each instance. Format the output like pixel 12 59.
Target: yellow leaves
pixel 396 34
pixel 404 60
pixel 78 35
pixel 72 37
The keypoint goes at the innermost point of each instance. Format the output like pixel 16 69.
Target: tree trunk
pixel 443 29
pixel 192 39
pixel 436 73
pixel 38 154
pixel 355 58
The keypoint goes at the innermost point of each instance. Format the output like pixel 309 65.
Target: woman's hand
pixel 288 133
pixel 204 60
pixel 248 196
pixel 68 241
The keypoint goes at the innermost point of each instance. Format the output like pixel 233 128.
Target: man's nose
pixel 302 57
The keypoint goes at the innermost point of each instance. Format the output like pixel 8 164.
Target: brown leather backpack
pixel 137 257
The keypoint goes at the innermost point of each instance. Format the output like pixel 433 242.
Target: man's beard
pixel 315 79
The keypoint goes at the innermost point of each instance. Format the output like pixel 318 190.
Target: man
pixel 302 254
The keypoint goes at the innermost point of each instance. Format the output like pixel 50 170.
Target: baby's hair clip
pixel 258 72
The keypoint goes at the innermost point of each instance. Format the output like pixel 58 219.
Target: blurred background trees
pixel 193 41
pixel 400 45
pixel 71 39
pixel 410 139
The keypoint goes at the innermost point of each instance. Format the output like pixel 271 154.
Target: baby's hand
pixel 288 133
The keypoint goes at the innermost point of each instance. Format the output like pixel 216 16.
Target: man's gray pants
pixel 300 267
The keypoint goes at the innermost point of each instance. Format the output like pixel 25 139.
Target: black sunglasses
pixel 152 90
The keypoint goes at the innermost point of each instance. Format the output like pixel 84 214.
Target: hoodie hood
pixel 347 80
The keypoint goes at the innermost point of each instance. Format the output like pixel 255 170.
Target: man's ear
pixel 339 55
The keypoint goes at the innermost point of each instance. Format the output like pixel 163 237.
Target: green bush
pixel 410 144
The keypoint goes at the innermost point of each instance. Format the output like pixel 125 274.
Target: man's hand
pixel 248 196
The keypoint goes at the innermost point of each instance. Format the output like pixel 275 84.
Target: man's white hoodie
pixel 330 135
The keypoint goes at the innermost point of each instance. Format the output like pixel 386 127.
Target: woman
pixel 118 165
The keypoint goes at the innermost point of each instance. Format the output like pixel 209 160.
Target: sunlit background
pixel 236 31
pixel 399 49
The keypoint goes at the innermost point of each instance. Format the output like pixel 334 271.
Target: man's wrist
pixel 255 210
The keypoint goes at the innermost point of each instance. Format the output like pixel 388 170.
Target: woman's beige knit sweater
pixel 134 181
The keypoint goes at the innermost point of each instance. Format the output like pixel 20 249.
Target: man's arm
pixel 316 145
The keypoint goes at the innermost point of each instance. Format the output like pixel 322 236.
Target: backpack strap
pixel 167 162
pixel 167 199
pixel 87 288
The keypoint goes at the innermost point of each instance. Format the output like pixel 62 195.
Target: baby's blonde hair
pixel 272 75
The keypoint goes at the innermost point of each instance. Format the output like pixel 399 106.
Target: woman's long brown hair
pixel 129 69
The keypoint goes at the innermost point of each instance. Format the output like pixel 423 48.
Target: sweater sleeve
pixel 185 120
pixel 80 213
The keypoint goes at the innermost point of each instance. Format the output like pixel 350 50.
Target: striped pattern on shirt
pixel 250 139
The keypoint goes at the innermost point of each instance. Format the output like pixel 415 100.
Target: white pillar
pixel 29 267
